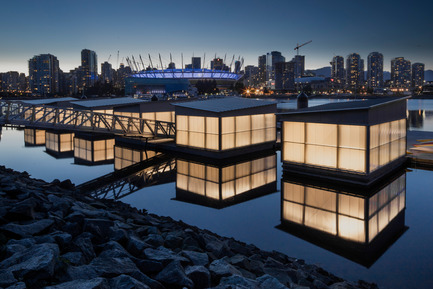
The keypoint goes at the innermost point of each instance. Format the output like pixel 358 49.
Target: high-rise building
pixel 272 58
pixel 375 70
pixel 121 74
pixel 44 74
pixel 285 75
pixel 251 76
pixel 361 72
pixel 262 69
pixel 89 67
pixel 299 62
pixel 217 64
pixel 337 70
pixel 353 71
pixel 237 66
pixel 171 65
pixel 106 72
pixel 401 73
pixel 196 62
pixel 418 75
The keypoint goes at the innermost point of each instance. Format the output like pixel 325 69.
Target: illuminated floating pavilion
pixel 59 144
pixel 358 141
pixel 356 222
pixel 225 127
pixel 34 137
pixel 93 149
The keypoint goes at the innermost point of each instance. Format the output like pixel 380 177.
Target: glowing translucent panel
pixel 181 137
pixel 321 220
pixel 228 125
pixel 163 116
pixel 322 134
pixel 374 159
pixel 243 169
pixel 294 132
pixel 181 122
pixel 270 120
pixel 212 142
pixel 182 167
pixel 212 125
pixel 402 127
pixel 258 180
pixel 372 228
pixel 243 123
pixel 212 174
pixel 351 228
pixel 293 152
pixel 196 186
pixel 293 212
pixel 243 185
pixel 257 121
pixel 271 134
pixel 384 154
pixel 395 130
pixel 257 136
pixel 243 138
pixel 212 190
pixel 196 139
pixel 351 159
pixel 374 136
pixel 228 141
pixel 384 131
pixel 228 173
pixel 394 150
pixel 321 156
pixel 196 124
pixel 228 190
pixel 352 136
pixel 294 192
pixel 351 206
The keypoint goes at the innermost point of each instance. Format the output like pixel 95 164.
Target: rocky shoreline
pixel 53 237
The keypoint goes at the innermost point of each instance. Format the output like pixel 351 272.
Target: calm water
pixel 405 264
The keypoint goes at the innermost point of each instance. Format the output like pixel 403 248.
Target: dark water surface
pixel 407 263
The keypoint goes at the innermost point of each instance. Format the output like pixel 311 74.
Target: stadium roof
pixel 188 74
pixel 224 104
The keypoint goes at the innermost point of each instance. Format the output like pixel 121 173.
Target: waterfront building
pixel 34 137
pixel 10 81
pixel 299 65
pixel 222 184
pixel 127 155
pixel 106 72
pixel 418 76
pixel 59 144
pixel 262 69
pixel 356 142
pixel 225 127
pixel 89 68
pixel 285 75
pixel 337 71
pixel 401 74
pixel 375 70
pixel 357 223
pixel 354 67
pixel 93 149
pixel 44 74
pixel 196 63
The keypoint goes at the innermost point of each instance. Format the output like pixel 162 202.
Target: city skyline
pixel 64 29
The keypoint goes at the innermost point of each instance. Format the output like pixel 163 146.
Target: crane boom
pixel 299 46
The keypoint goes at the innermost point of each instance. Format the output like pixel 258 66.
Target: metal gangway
pixel 61 118
pixel 157 170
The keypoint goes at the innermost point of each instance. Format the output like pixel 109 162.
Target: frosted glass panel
pixel 257 121
pixel 270 120
pixel 351 159
pixel 182 137
pixel 196 124
pixel 294 132
pixel 374 136
pixel 293 212
pixel 243 139
pixel 228 125
pixel 322 134
pixel 384 131
pixel 228 141
pixel 293 152
pixel 294 192
pixel 351 206
pixel 212 141
pixel 321 156
pixel 196 139
pixel 197 170
pixel 243 123
pixel 321 199
pixel 352 136
pixel 257 136
pixel 212 125
pixel 321 220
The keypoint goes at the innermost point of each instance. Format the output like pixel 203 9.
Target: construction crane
pixel 299 46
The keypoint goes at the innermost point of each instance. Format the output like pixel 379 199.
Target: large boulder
pixel 96 283
pixel 127 282
pixel 26 230
pixel 174 275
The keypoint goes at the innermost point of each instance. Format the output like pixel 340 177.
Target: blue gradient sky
pixel 246 28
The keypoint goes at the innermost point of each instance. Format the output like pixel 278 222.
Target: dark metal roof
pixel 46 100
pixel 224 104
pixel 107 102
pixel 349 105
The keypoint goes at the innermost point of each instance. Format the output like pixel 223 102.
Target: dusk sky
pixel 246 28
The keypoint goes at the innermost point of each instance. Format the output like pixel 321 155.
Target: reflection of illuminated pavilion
pixel 350 221
pixel 357 141
pixel 93 149
pixel 59 144
pixel 221 185
pixel 125 156
pixel 34 137
pixel 225 127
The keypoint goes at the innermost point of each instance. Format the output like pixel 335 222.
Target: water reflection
pixel 416 118
pixel 59 144
pixel 134 169
pixel 92 149
pixel 219 185
pixel 356 223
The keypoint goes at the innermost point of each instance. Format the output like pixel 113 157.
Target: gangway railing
pixel 17 113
